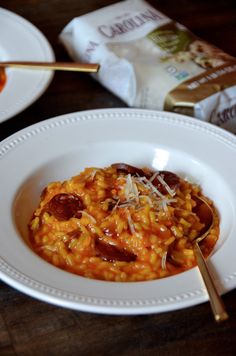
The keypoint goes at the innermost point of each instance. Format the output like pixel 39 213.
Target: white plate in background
pixel 22 41
pixel 60 147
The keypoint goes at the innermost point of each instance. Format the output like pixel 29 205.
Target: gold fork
pixel 68 66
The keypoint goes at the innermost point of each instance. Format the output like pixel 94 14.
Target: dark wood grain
pixel 31 327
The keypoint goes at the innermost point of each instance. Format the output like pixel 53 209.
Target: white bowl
pixel 61 147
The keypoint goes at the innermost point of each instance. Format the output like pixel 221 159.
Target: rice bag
pixel 150 61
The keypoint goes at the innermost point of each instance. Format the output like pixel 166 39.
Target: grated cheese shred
pixel 168 188
pixel 150 186
pixel 130 222
pixel 163 260
pixel 83 212
pixel 131 190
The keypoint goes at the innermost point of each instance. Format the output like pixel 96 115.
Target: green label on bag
pixel 170 38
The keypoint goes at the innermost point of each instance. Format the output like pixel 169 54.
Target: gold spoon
pixel 69 66
pixel 206 216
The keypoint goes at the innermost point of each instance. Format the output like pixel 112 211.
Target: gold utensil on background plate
pixel 68 66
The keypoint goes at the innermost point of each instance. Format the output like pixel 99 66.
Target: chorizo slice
pixel 64 206
pixel 112 253
pixel 128 169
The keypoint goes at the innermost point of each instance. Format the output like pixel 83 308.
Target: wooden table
pixel 30 327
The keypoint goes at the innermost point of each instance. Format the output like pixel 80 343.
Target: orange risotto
pixel 120 223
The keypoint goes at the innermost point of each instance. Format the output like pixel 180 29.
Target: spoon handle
pixel 69 66
pixel 216 302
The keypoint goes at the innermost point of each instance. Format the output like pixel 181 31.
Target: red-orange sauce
pixel 3 78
